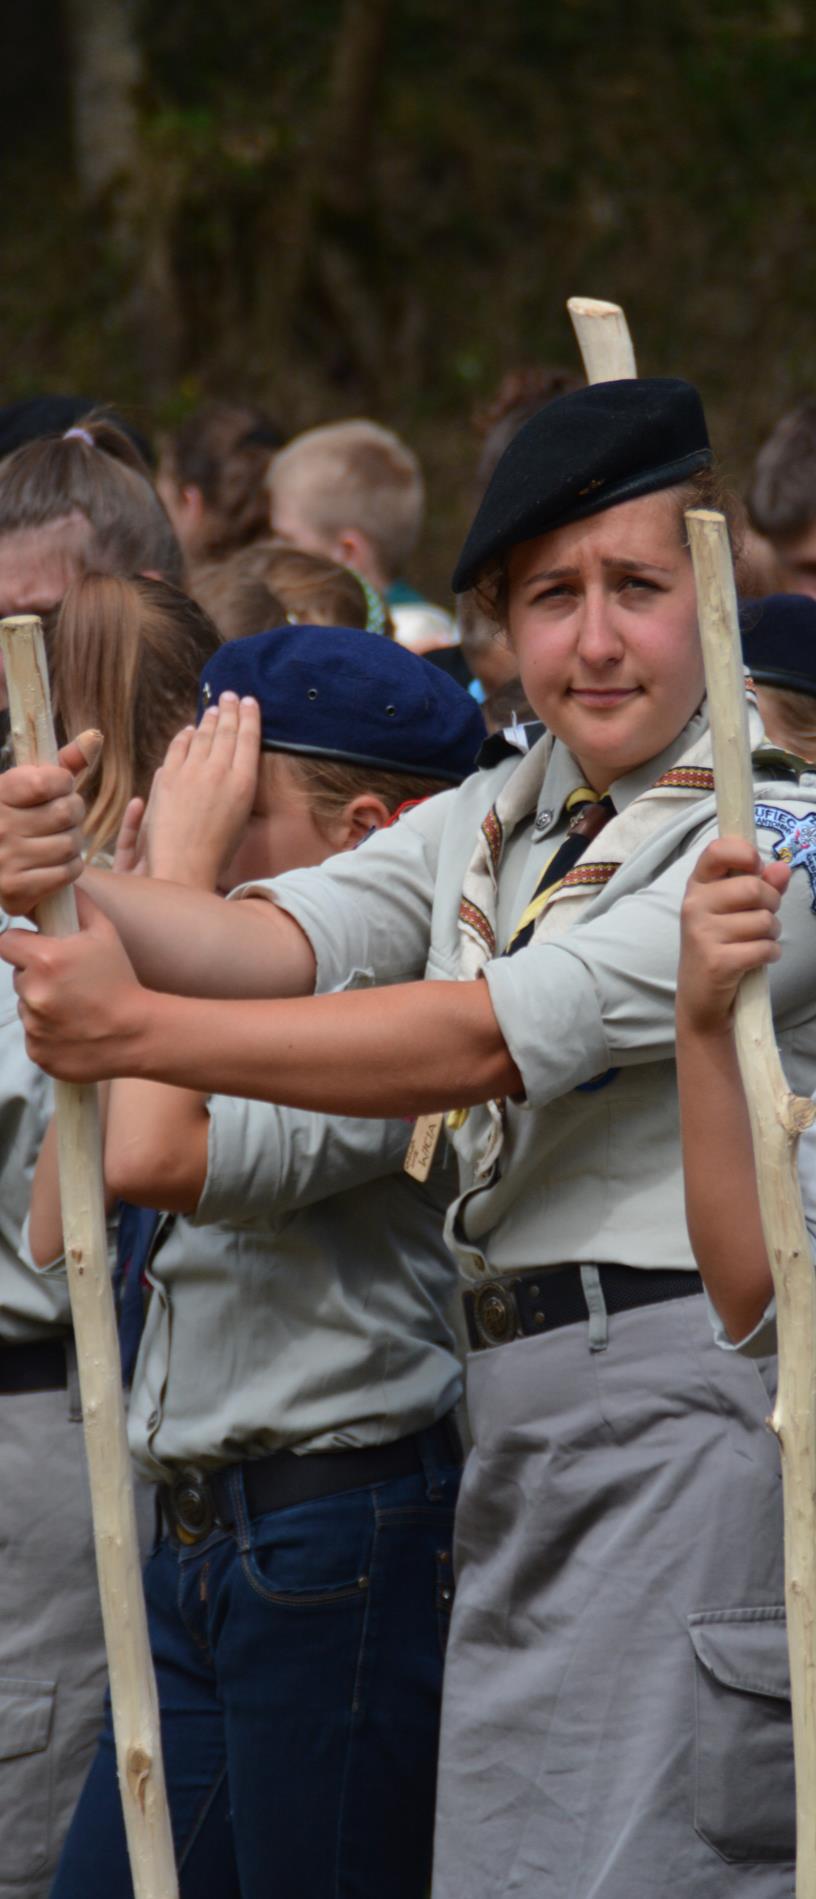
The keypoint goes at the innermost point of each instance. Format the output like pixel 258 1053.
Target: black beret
pixel 779 641
pixel 586 451
pixel 338 692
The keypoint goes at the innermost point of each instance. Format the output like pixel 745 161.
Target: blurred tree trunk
pixel 348 137
pixel 325 251
pixel 115 178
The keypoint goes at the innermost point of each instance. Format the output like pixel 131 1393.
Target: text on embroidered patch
pixel 796 839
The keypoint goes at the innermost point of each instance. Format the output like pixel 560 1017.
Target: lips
pixel 603 700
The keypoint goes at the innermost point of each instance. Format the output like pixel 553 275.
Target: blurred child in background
pixel 211 479
pixel 354 492
pixel 271 583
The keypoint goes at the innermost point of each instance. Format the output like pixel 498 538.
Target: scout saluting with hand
pixel 294 1390
pixel 602 1729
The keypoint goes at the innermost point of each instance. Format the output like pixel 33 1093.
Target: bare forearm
pixel 45 1213
pixel 722 1205
pixel 194 944
pixel 156 1145
pixel 411 1049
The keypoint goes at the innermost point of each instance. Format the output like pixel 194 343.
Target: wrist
pixel 705 1024
pixel 193 873
pixel 148 1034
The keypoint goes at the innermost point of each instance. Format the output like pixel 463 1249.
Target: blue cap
pixel 334 692
pixel 779 641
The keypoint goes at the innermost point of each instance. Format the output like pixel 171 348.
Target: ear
pixel 193 502
pixel 362 814
pixel 352 549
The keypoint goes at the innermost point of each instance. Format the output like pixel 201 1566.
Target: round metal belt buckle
pixel 495 1313
pixel 193 1512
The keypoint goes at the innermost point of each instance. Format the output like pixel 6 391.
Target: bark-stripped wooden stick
pixel 132 1681
pixel 603 339
pixel 777 1120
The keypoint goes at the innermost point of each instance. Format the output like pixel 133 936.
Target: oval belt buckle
pixel 495 1313
pixel 193 1512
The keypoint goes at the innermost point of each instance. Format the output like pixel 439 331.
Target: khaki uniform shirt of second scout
pixel 304 1305
pixel 32 1306
pixel 584 1176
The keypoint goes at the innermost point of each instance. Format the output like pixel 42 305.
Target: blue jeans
pixel 299 1667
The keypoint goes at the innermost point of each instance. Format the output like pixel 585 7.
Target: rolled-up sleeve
pixel 603 996
pixel 265 1162
pixel 367 912
pixel 760 1343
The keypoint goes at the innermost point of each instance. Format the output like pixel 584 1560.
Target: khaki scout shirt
pixel 304 1304
pixel 584 1176
pixel 31 1306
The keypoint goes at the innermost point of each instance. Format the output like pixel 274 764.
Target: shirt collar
pixel 563 774
pixel 633 784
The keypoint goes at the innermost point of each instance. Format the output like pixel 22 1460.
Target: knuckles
pixel 27 785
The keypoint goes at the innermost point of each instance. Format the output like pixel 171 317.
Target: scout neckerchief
pixel 588 814
pixel 558 901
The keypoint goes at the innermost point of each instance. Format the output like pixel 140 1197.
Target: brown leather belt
pixel 535 1301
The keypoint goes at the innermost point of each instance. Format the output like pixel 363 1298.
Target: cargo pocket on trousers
pixel 744 1803
pixel 26 1714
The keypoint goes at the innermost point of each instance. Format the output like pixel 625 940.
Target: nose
pixel 599 642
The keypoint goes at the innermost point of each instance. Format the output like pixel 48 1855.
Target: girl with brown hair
pixel 272 583
pixel 125 656
pixel 211 478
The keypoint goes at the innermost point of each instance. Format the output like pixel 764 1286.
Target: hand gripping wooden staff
pixel 777 1119
pixel 132 1681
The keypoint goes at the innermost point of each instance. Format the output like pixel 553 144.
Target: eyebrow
pixel 613 561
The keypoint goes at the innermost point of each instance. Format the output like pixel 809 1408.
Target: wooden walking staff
pixel 603 338
pixel 777 1119
pixel 130 1665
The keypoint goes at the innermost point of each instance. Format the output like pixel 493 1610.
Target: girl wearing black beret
pixel 615 1719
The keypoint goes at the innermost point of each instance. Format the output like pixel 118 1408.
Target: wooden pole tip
pixel 709 515
pixel 19 623
pixel 592 306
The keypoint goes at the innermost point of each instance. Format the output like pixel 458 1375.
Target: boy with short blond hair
pixel 354 491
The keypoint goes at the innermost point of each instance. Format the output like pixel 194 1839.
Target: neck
pixel 789 719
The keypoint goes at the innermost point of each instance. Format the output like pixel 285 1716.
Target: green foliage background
pixel 515 154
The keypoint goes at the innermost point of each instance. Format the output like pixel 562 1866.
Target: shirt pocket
pixel 744 1803
pixel 26 1718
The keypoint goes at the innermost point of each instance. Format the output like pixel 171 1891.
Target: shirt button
pixel 152 1420
pixel 545 818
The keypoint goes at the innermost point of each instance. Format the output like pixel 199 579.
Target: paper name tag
pixel 422 1145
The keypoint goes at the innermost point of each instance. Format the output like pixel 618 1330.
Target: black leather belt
pixel 536 1301
pixel 37 1365
pixel 197 1502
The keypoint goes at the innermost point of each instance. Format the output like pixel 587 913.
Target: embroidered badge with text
pixel 796 839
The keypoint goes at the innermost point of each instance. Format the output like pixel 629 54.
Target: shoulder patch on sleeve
pixel 795 839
